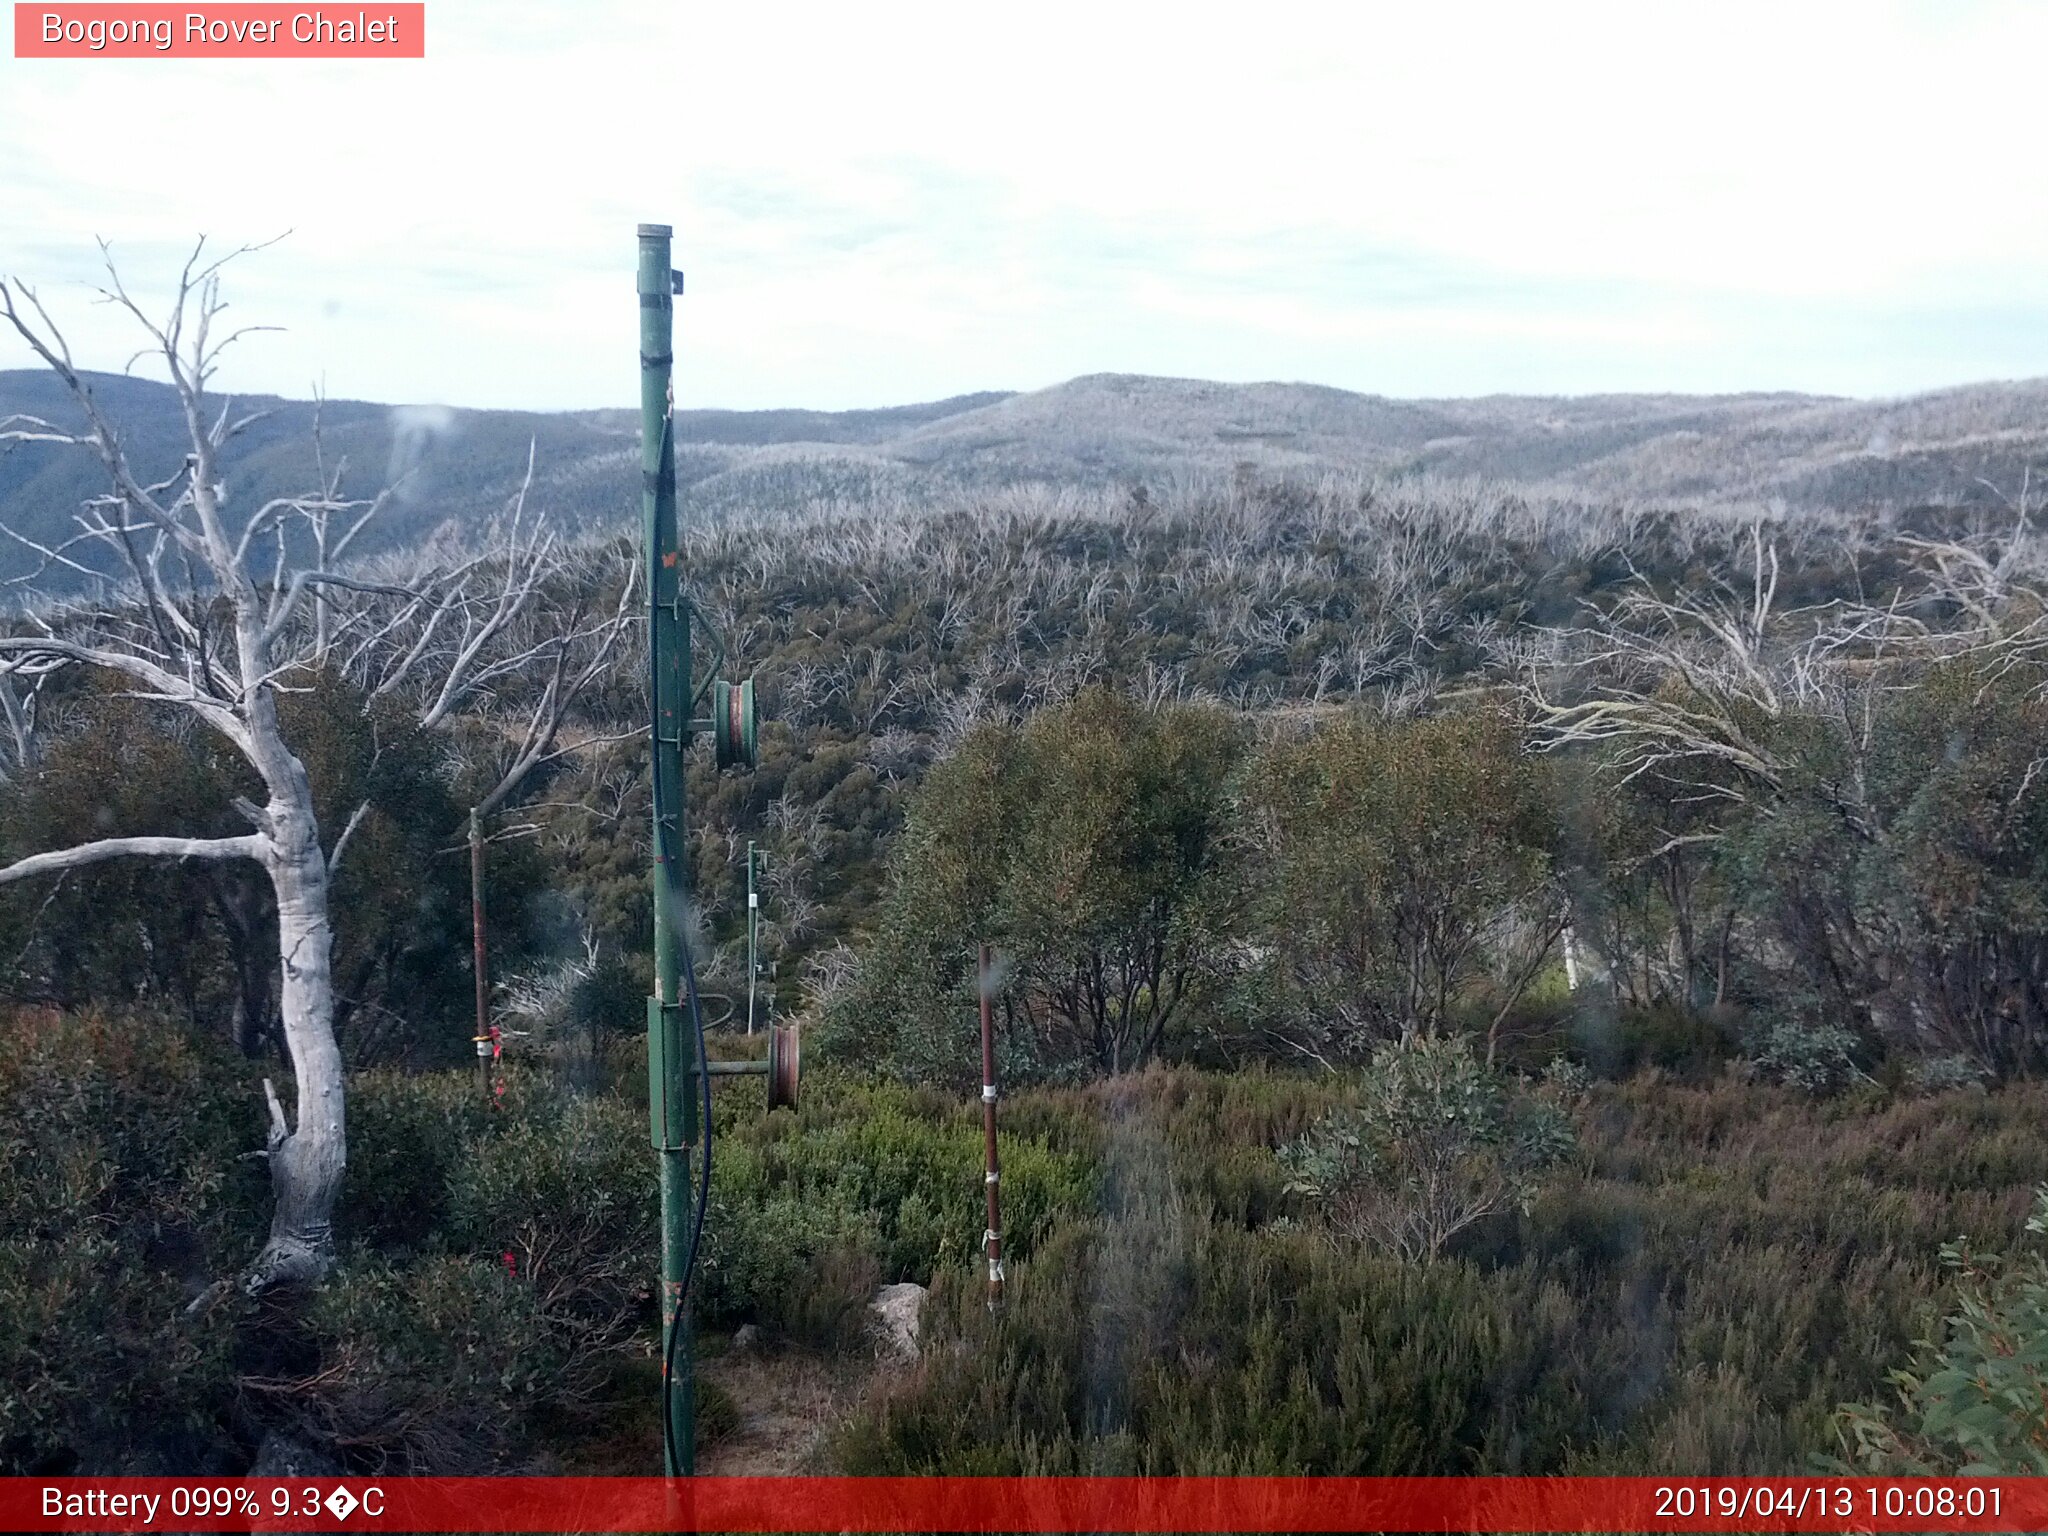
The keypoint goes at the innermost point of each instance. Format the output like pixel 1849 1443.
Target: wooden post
pixel 992 1236
pixel 481 959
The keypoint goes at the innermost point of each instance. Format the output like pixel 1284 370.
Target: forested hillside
pixel 1105 431
pixel 1662 889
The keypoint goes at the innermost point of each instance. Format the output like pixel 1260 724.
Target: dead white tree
pixel 1716 700
pixel 1988 595
pixel 18 754
pixel 1686 687
pixel 216 614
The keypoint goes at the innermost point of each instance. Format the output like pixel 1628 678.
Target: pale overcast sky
pixel 888 202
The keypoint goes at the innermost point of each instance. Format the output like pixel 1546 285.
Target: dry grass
pixel 790 1402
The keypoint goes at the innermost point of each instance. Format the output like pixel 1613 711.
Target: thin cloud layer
pixel 878 205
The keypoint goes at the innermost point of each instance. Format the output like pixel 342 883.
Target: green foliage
pixel 540 1206
pixel 1084 846
pixel 1898 872
pixel 134 931
pixel 1652 896
pixel 607 1001
pixel 401 896
pixel 878 637
pixel 1158 1343
pixel 498 1261
pixel 1655 1310
pixel 445 1364
pixel 1946 1074
pixel 1619 1042
pixel 200 944
pixel 1974 1401
pixel 1395 861
pixel 121 1198
pixel 570 1195
pixel 1717 1268
pixel 1960 882
pixel 868 1183
pixel 408 1134
pixel 1400 871
pixel 1814 1058
pixel 1436 1142
pixel 1722 1264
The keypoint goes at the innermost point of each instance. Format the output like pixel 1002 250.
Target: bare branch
pixel 246 847
pixel 304 579
pixel 341 843
pixel 48 343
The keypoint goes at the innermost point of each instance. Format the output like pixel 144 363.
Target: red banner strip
pixel 1092 1504
pixel 376 30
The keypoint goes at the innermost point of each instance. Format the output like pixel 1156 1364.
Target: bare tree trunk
pixel 306 1161
pixel 1721 959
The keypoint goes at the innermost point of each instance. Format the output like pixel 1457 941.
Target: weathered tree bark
pixel 306 1159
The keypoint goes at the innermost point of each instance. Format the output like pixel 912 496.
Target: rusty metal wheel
pixel 783 1052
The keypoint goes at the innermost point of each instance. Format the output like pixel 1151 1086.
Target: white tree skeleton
pixel 436 630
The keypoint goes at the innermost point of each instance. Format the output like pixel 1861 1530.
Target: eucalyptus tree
pixel 217 611
pixel 1085 844
pixel 1398 868
pixel 1865 776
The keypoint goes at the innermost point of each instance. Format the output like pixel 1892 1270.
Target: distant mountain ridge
pixel 1098 430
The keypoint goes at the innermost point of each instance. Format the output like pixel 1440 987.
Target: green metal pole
pixel 671 1058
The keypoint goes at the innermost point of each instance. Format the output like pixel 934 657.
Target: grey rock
pixel 895 1317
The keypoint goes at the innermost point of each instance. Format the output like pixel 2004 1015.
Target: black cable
pixel 675 1328
pixel 670 864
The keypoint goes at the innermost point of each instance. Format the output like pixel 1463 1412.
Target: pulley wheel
pixel 734 730
pixel 783 1051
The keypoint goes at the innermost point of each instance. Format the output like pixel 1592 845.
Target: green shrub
pixel 571 1197
pixel 123 1196
pixel 880 1169
pixel 827 1307
pixel 1086 845
pixel 1399 869
pixel 1974 1400
pixel 1157 1342
pixel 1666 1035
pixel 1437 1142
pixel 758 1249
pixel 1719 1267
pixel 446 1365
pixel 1946 1074
pixel 1814 1058
pixel 408 1133
pixel 100 1370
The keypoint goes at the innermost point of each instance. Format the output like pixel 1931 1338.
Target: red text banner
pixel 975 1504
pixel 230 31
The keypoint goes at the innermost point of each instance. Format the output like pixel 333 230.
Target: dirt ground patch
pixel 789 1402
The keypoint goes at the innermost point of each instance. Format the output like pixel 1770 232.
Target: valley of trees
pixel 1492 982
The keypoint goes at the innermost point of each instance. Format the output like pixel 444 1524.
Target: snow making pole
pixel 679 1071
pixel 671 1064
